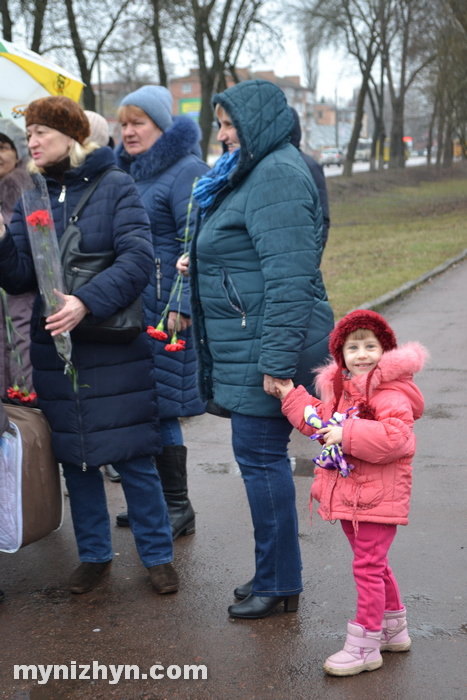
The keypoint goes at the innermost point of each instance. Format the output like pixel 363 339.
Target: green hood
pixel 259 111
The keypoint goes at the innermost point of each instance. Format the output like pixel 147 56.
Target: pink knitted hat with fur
pixel 364 319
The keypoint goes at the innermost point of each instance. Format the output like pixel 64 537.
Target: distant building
pixel 186 93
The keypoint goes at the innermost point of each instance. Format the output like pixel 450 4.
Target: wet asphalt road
pixel 279 658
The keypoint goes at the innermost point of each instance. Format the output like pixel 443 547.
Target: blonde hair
pixel 77 156
pixel 125 111
pixel 360 334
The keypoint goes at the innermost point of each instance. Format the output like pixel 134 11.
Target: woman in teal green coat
pixel 260 313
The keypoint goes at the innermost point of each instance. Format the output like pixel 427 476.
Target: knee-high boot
pixel 171 465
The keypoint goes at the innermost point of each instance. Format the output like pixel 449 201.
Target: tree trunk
pixel 441 123
pixel 357 127
pixel 40 7
pixel 89 98
pixel 429 146
pixel 397 150
pixel 448 155
pixel 374 143
pixel 375 131
pixel 6 21
pixel 459 9
pixel 206 114
pixel 163 79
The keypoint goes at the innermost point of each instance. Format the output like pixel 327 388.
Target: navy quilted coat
pixel 164 177
pixel 114 415
pixel 259 303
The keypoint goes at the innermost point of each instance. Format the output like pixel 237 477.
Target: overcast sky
pixel 335 70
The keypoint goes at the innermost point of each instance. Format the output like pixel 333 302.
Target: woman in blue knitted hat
pixel 162 154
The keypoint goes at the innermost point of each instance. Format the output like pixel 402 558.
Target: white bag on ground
pixel 31 500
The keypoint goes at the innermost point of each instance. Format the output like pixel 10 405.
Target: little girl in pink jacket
pixel 369 372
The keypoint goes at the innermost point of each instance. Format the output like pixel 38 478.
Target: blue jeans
pixel 147 511
pixel 171 432
pixel 260 448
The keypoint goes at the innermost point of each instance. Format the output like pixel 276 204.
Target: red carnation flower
pixel 157 334
pixel 13 393
pixel 30 398
pixel 175 346
pixel 41 217
pixel 24 396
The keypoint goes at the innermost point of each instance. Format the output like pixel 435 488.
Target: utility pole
pixel 101 94
pixel 337 118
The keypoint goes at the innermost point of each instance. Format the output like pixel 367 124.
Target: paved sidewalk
pixel 278 658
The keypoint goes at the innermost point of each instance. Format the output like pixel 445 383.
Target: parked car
pixel 363 151
pixel 331 156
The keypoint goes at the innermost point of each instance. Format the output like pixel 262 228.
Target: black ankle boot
pixel 255 607
pixel 171 465
pixel 242 592
pixel 123 520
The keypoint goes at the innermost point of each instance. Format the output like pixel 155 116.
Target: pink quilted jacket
pixel 378 489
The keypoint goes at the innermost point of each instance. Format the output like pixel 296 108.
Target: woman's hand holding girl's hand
pixel 183 264
pixel 69 315
pixel 332 435
pixel 277 387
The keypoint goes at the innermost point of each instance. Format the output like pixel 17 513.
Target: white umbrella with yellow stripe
pixel 26 76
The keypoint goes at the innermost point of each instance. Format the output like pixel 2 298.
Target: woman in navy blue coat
pixel 162 155
pixel 112 416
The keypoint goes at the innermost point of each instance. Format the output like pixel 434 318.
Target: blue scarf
pixel 209 185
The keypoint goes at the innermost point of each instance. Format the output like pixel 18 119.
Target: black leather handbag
pixel 79 268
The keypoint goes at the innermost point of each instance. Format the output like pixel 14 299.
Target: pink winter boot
pixel 394 635
pixel 360 652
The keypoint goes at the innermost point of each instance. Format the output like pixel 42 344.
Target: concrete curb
pixel 375 304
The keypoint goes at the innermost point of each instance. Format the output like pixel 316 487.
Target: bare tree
pixel 357 24
pixel 459 8
pixel 219 30
pixel 311 44
pixel 409 50
pixel 99 20
pixel 7 20
pixel 32 13
pixel 450 80
pixel 39 8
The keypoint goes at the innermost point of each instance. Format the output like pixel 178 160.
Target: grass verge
pixel 381 239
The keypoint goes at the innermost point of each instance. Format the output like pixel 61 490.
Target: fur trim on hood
pixel 175 143
pixel 398 364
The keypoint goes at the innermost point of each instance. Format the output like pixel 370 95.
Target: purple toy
pixel 331 457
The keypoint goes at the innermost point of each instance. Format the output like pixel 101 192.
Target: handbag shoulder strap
pixel 87 194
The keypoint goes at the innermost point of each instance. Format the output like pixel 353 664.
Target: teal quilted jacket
pixel 258 300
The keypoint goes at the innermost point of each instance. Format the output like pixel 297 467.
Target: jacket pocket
pixel 362 492
pixel 233 296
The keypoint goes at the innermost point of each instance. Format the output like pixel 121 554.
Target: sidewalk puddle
pixel 438 411
pixel 220 468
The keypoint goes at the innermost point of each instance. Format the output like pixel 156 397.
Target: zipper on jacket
pixel 62 195
pixel 84 466
pixel 238 308
pixel 157 262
